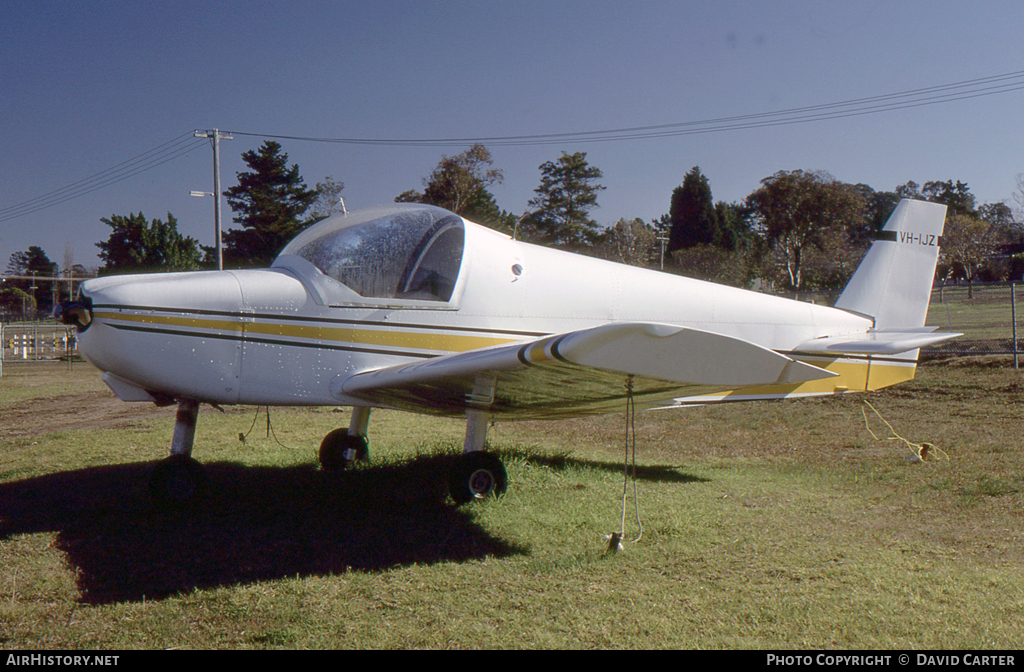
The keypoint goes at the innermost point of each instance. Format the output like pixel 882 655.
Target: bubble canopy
pixel 401 251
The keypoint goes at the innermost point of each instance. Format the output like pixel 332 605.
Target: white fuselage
pixel 282 336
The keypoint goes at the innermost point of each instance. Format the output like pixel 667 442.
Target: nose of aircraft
pixel 169 334
pixel 75 313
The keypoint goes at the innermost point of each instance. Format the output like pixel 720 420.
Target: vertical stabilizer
pixel 893 284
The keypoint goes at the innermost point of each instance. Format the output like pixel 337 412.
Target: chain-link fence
pixel 986 315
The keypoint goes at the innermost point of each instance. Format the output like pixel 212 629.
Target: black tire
pixel 477 475
pixel 177 481
pixel 334 450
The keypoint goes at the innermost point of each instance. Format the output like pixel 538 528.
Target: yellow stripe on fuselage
pixel 446 342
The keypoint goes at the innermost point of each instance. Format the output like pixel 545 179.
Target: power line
pixel 172 149
pixel 99 181
pixel 185 143
pixel 932 95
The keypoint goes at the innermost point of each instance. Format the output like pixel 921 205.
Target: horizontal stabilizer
pixel 578 372
pixel 876 342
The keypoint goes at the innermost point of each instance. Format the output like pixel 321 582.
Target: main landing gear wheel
pixel 340 449
pixel 177 480
pixel 477 475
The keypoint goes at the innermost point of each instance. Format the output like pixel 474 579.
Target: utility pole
pixel 216 135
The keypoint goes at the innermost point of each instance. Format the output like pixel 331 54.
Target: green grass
pixel 782 525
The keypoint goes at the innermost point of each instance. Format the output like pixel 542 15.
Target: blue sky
pixel 85 86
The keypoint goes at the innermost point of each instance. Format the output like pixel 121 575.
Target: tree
pixel 1006 238
pixel 734 228
pixel 630 241
pixel 16 300
pixel 878 206
pixel 957 197
pixel 269 201
pixel 798 210
pixel 33 262
pixel 692 213
pixel 327 201
pixel 136 245
pixel 1018 198
pixel 998 214
pixel 716 264
pixel 695 219
pixel 459 183
pixel 910 190
pixel 567 192
pixel 966 245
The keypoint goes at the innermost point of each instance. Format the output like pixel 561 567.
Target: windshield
pixel 403 251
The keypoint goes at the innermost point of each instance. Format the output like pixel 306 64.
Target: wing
pixel 579 372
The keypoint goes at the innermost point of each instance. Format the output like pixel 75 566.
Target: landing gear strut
pixel 476 474
pixel 179 479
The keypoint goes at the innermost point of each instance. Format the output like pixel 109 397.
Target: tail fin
pixel 893 284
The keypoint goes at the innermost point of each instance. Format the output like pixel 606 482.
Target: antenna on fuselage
pixel 515 229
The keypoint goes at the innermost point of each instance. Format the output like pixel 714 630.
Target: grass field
pixel 773 525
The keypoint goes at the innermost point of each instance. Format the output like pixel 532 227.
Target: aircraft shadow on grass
pixel 256 524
